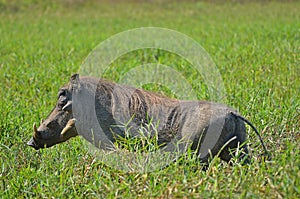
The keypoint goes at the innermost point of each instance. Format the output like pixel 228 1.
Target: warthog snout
pixel 32 141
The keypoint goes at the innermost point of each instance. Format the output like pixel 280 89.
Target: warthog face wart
pixel 59 125
pixel 98 105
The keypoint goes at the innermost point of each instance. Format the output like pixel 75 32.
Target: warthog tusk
pixel 34 131
pixel 70 124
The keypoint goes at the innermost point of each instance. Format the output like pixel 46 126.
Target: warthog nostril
pixel 32 143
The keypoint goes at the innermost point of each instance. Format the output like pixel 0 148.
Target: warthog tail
pixel 267 154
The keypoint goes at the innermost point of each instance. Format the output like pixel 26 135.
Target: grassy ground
pixel 256 47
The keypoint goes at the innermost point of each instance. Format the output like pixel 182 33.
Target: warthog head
pixel 59 125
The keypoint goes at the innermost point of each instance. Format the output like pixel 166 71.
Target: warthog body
pixel 98 109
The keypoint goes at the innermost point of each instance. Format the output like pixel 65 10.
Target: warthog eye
pixel 62 100
pixel 61 92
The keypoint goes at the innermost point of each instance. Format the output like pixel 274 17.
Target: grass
pixel 255 45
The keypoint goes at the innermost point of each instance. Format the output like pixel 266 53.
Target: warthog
pixel 97 108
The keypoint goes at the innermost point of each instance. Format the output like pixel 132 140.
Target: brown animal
pixel 101 111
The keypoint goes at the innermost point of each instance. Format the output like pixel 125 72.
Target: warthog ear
pixel 74 82
pixel 74 78
pixel 68 107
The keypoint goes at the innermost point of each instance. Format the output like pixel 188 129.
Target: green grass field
pixel 256 47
